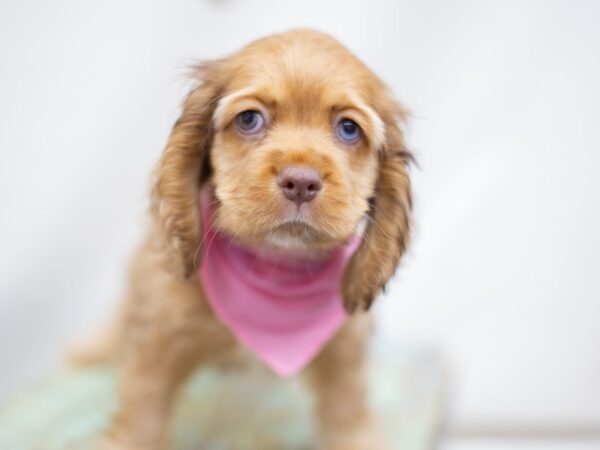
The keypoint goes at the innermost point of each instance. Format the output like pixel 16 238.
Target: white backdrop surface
pixel 504 272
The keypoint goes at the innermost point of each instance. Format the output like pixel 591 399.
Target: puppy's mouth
pixel 295 233
pixel 296 228
pixel 280 225
pixel 298 221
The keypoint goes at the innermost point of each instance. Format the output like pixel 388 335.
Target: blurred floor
pixel 249 410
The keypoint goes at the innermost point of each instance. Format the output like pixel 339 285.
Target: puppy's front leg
pixel 338 378
pixel 165 338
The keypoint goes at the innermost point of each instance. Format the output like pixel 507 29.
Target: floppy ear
pixel 183 167
pixel 387 233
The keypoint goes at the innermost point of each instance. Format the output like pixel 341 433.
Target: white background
pixel 504 273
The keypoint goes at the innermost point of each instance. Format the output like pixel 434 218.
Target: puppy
pixel 286 168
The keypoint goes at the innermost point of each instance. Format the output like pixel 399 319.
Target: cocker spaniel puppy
pixel 280 208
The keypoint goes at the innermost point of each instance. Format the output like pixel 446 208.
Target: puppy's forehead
pixel 301 65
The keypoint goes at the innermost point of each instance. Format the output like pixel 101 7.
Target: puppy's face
pixel 295 151
pixel 301 142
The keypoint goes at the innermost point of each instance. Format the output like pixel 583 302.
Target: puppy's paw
pixel 97 349
pixel 362 439
pixel 355 446
pixel 109 444
pixel 114 441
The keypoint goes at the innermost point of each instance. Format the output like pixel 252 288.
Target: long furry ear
pixel 183 167
pixel 387 233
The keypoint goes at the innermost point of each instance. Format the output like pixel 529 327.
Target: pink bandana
pixel 285 312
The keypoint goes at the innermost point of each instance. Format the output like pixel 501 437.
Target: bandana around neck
pixel 284 311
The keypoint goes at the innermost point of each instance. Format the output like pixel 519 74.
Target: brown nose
pixel 299 184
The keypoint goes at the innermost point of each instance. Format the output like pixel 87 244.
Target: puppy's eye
pixel 249 122
pixel 348 131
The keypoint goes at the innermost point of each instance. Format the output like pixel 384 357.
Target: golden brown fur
pixel 302 81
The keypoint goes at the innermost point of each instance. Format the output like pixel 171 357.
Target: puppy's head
pixel 301 143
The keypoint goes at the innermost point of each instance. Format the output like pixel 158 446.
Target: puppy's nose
pixel 299 184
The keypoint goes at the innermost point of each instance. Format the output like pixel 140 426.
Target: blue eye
pixel 249 122
pixel 348 131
